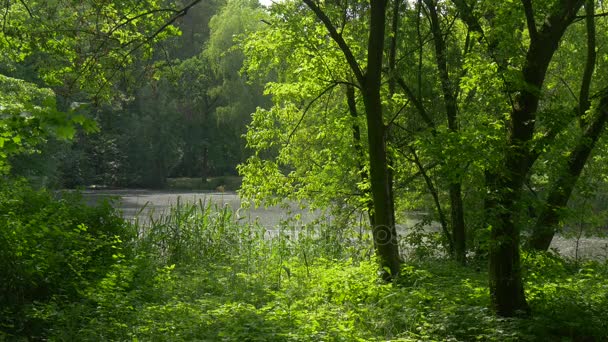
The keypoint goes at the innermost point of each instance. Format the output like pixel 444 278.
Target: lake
pixel 140 204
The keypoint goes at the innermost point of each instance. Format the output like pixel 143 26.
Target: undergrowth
pixel 199 274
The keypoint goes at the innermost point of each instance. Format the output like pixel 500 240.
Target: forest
pixel 447 150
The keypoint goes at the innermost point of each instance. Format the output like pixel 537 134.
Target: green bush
pixel 51 249
pixel 200 274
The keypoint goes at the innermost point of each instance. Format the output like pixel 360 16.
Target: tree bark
pixel 384 232
pixel 506 287
pixel 505 185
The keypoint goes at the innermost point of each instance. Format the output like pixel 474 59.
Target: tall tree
pixel 591 123
pixel 505 183
pixel 369 83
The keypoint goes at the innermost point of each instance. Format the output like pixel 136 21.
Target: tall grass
pixel 202 273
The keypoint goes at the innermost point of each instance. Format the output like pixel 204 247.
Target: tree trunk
pixel 352 108
pixel 384 232
pixel 562 188
pixel 384 228
pixel 506 287
pixel 451 108
pixel 557 200
pixel 458 227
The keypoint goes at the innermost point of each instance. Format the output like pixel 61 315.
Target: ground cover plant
pixel 199 273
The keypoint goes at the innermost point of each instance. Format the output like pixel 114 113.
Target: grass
pixel 199 274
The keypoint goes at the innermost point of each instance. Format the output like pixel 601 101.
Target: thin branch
pixel 417 103
pixel 408 180
pixel 350 58
pixel 584 102
pixel 398 112
pixel 435 195
pixel 128 20
pixel 178 14
pixel 29 12
pixel 148 39
pixel 561 79
pixel 332 86
pixel 597 15
pixel 346 83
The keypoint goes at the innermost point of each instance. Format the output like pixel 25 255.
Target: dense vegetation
pixel 79 273
pixel 484 118
pixel 176 110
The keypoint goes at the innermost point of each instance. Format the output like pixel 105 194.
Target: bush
pixel 50 250
pixel 200 274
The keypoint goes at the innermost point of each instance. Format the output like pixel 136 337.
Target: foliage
pixel 81 46
pixel 52 249
pixel 28 116
pixel 182 114
pixel 201 273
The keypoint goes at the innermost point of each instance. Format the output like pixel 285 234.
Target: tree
pixel 82 51
pixel 368 84
pixel 591 122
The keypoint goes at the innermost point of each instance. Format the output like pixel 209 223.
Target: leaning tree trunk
pixel 552 211
pixel 561 190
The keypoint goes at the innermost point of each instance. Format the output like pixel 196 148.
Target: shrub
pixel 50 250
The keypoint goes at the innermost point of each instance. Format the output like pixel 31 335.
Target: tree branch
pixel 530 19
pixel 29 12
pixel 178 14
pixel 419 106
pixel 350 58
pixel 583 98
pixel 598 15
pixel 332 86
